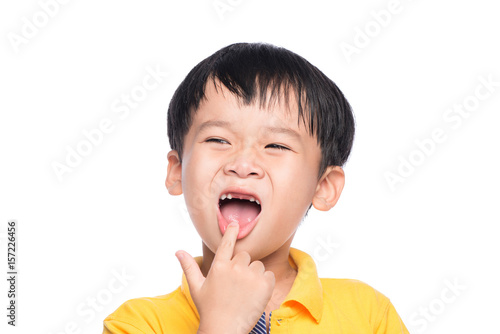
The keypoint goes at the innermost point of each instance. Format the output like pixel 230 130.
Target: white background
pixel 112 213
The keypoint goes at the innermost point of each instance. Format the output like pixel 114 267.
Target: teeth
pixel 229 196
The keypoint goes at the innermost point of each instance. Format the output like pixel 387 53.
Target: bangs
pixel 263 75
pixel 267 93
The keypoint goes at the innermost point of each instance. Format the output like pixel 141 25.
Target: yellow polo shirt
pixel 313 305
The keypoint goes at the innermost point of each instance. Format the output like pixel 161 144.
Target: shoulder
pixel 356 295
pixel 351 288
pixel 151 314
pixel 358 302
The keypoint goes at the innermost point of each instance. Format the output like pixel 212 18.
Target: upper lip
pixel 241 193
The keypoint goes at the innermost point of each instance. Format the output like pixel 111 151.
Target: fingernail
pixel 233 224
pixel 179 255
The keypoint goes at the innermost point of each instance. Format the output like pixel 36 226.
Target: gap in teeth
pixel 229 196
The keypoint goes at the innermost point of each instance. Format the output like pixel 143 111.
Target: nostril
pixel 243 171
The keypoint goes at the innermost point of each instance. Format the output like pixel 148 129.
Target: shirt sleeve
pixel 164 314
pixel 112 326
pixel 391 323
pixel 136 316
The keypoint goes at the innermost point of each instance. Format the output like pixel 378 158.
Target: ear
pixel 329 188
pixel 174 173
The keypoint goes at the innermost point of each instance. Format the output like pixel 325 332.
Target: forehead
pixel 278 107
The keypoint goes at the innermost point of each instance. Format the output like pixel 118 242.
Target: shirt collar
pixel 306 289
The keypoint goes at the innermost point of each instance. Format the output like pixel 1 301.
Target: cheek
pixel 197 188
pixel 297 185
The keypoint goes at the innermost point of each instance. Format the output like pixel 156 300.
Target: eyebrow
pixel 286 131
pixel 273 129
pixel 210 124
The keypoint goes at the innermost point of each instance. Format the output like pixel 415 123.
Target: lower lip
pixel 245 228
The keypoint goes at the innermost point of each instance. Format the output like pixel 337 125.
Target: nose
pixel 244 166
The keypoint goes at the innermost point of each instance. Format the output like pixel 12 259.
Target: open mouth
pixel 241 208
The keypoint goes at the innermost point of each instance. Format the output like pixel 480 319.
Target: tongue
pixel 239 211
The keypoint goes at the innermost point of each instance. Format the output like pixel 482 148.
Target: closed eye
pixel 216 140
pixel 276 146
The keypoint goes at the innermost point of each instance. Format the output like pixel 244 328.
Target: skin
pixel 233 145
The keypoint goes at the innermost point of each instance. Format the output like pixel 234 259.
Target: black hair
pixel 252 72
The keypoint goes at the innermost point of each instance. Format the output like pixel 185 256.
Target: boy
pixel 258 136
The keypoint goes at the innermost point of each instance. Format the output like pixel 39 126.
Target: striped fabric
pixel 260 327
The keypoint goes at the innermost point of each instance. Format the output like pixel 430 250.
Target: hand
pixel 235 292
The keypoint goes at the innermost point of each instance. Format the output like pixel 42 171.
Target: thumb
pixel 191 269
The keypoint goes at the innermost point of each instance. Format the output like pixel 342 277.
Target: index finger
pixel 226 247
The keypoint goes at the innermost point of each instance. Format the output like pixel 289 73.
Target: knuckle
pixel 246 256
pixel 187 267
pixel 269 277
pixel 257 266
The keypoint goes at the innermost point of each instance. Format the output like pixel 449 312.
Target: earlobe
pixel 174 174
pixel 329 188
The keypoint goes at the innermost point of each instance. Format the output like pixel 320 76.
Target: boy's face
pixel 251 154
